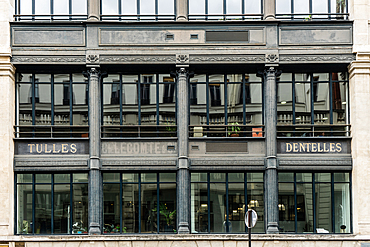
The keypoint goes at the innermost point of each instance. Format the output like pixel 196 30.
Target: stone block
pixel 32 244
pixel 73 244
pixel 124 244
pixel 184 244
pixel 203 244
pixel 138 243
pixel 151 244
pixel 219 243
pixel 164 243
pixel 230 243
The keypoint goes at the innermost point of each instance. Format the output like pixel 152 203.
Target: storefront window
pixel 219 201
pixel 139 106
pixel 313 104
pixel 52 105
pixel 138 211
pixel 314 203
pixel 226 105
pixel 52 204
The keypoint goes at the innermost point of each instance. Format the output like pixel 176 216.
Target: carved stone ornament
pixel 228 58
pixel 272 58
pixel 182 59
pixel 318 58
pixel 137 59
pixel 48 59
pixel 92 59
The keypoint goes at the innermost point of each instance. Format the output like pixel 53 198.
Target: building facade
pixel 135 123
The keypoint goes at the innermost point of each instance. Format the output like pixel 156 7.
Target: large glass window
pixel 312 9
pixel 52 203
pixel 225 10
pixel 138 10
pixel 52 105
pixel 219 201
pixel 313 104
pixel 227 105
pixel 51 10
pixel 314 202
pixel 147 204
pixel 139 106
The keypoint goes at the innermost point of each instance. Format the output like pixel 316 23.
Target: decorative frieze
pixel 318 58
pixel 227 58
pixel 48 59
pixel 137 59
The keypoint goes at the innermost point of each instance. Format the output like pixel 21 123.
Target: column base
pixel 183 228
pixel 272 228
pixel 94 229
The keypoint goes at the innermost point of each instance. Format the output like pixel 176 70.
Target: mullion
pixel 33 101
pixel 51 9
pixel 156 9
pixel 52 101
pixel 158 203
pixel 312 104
pixel 332 203
pixel 225 98
pixel 139 185
pixel 314 201
pixel 70 203
pixel 157 97
pixel 52 203
pixel 295 203
pixel 227 202
pixel 207 96
pixel 293 98
pixel 244 96
pixel 33 202
pixel 246 196
pixel 138 11
pixel 120 203
pixel 208 201
pixel 71 100
pixel 70 9
pixel 139 97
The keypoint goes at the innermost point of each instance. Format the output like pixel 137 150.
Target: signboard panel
pixel 133 148
pixel 51 147
pixel 314 147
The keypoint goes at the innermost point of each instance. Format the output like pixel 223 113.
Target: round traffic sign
pixel 250 218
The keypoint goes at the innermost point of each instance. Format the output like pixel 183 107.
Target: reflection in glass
pixel 42 209
pixel 321 103
pixel 130 208
pixel 286 207
pixel 25 104
pixel 25 7
pixel 43 178
pixel 149 208
pixel 62 208
pixel 305 208
pixel 111 210
pixel 236 207
pixel 199 207
pixel 111 104
pixel 80 107
pixel 24 211
pixel 284 103
pixel 166 7
pixel 197 7
pixel 303 103
pixel 61 104
pixel 167 208
pixel 80 209
pixel 252 7
pixel 342 208
pixel 323 208
pixel 42 7
pixel 79 7
pixel 283 6
pixel 129 7
pixel 255 201
pixel 110 7
pixel 233 6
pixel 62 178
pixel 43 104
pixel 218 207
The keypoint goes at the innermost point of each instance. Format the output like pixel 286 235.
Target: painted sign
pixel 313 147
pixel 51 148
pixel 142 148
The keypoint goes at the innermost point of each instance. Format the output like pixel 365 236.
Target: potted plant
pixel 233 129
pixel 169 216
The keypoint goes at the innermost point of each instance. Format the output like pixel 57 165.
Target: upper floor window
pixel 51 105
pixel 313 104
pixel 139 106
pixel 27 10
pixel 225 9
pixel 224 105
pixel 312 9
pixel 138 10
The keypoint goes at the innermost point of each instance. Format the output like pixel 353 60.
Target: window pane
pixel 256 202
pixel 236 207
pixel 198 102
pixel 254 108
pixel 129 7
pixel 233 6
pixel 284 103
pixel 42 7
pixel 111 104
pixel 130 177
pixel 321 103
pixel 319 6
pixel 61 7
pixel 217 177
pixel 304 177
pixel 215 7
pixel 111 177
pixel 252 7
pixel 130 208
pixel 43 178
pixel 255 177
pixel 341 177
pixel 147 7
pixel 217 199
pixel 167 177
pixel 322 177
pixel 323 208
pixel 62 178
pixel 235 104
pixel 303 104
pixel 24 178
pixel 338 6
pixel 42 209
pixel 286 207
pixel 24 212
pixel 285 177
pixel 79 7
pixel 199 208
pixel 301 7
pixel 166 7
pixel 80 177
pixel 149 208
pixel 198 177
pixel 340 98
pixel 304 208
pixel 80 209
pixel 111 210
pixel 62 207
pixel 80 108
pixel 167 208
pixel 25 7
pixel 196 7
pixel 149 177
pixel 43 104
pixel 342 208
pixel 283 6
pixel 236 177
pixel 61 104
pixel 167 99
pixel 25 104
pixel 110 7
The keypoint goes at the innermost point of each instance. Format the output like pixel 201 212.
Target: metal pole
pixel 250 227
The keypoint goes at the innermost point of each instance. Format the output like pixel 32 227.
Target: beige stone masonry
pixel 7 100
pixel 360 119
